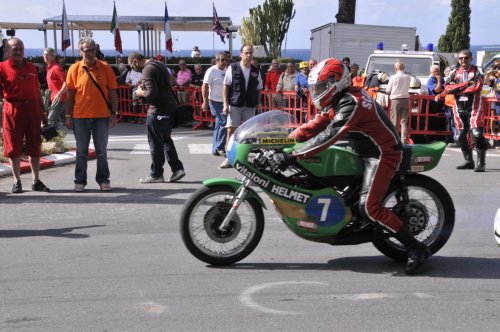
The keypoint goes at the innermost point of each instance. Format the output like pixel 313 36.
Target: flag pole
pixel 213 37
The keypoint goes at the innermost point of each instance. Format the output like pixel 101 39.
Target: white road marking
pixel 153 308
pixel 200 148
pixel 247 294
pixel 246 297
pixel 140 149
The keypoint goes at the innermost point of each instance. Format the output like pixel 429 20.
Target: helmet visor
pixel 317 89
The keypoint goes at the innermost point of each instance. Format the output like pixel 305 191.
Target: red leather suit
pixel 357 117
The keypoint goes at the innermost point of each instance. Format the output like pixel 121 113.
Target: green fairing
pixel 346 162
pixel 424 151
pixel 334 161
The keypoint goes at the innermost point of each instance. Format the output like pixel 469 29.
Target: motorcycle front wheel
pixel 430 216
pixel 201 217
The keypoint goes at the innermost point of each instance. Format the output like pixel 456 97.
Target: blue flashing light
pixel 380 46
pixel 430 47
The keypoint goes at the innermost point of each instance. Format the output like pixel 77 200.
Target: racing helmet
pixel 326 80
pixel 414 82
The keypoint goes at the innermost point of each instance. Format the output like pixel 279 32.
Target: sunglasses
pixel 88 50
pixel 463 58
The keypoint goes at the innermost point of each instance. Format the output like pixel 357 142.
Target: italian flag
pixel 168 34
pixel 115 29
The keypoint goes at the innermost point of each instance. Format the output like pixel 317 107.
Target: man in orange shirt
pixel 91 106
pixel 357 80
pixel 22 113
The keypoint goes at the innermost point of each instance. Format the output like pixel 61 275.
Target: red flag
pixel 115 29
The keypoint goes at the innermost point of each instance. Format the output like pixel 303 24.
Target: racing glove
pixel 280 161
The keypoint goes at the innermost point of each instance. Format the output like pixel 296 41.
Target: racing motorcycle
pixel 317 198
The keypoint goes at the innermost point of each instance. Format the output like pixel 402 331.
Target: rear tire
pixel 431 219
pixel 204 212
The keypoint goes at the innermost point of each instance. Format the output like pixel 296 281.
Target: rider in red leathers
pixel 466 83
pixel 350 113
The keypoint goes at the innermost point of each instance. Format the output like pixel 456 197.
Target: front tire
pixel 204 212
pixel 430 220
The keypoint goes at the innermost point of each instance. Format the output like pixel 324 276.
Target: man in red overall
pixel 466 83
pixel 22 113
pixel 349 112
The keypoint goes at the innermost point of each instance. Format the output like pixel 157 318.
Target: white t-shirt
pixel 228 79
pixel 133 77
pixel 214 77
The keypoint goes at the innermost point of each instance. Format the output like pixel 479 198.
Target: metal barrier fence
pixel 427 120
pixel 492 120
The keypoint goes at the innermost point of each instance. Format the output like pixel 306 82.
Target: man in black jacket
pixel 156 91
pixel 241 93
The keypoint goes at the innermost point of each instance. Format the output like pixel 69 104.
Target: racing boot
pixel 417 251
pixel 481 163
pixel 469 161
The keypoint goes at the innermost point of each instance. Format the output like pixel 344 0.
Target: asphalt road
pixel 115 261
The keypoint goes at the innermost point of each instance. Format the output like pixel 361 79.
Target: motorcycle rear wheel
pixel 204 212
pixel 431 219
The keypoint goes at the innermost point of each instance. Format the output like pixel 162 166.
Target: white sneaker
pixel 225 164
pixel 177 175
pixel 105 186
pixel 151 179
pixel 79 187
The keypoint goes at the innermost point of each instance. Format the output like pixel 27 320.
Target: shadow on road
pixel 159 195
pixel 54 232
pixel 435 267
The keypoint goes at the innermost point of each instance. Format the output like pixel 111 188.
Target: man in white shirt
pixel 213 84
pixel 397 89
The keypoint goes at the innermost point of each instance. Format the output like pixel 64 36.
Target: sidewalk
pixel 45 162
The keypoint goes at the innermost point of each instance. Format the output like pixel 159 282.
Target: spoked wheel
pixel 202 216
pixel 430 215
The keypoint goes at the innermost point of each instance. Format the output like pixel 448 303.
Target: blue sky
pixel 430 17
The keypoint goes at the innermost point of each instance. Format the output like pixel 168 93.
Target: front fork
pixel 403 198
pixel 237 199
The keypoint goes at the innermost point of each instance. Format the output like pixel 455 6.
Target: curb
pixel 46 162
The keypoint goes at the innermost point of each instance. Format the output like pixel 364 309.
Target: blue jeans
pixel 161 145
pixel 220 130
pixel 98 129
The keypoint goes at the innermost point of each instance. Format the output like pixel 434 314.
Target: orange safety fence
pixel 288 101
pixel 126 104
pixel 491 118
pixel 204 117
pixel 425 119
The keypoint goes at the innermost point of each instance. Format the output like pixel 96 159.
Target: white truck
pixel 357 41
pixel 417 63
pixel 485 58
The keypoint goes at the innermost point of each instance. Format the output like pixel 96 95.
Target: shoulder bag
pixel 98 87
